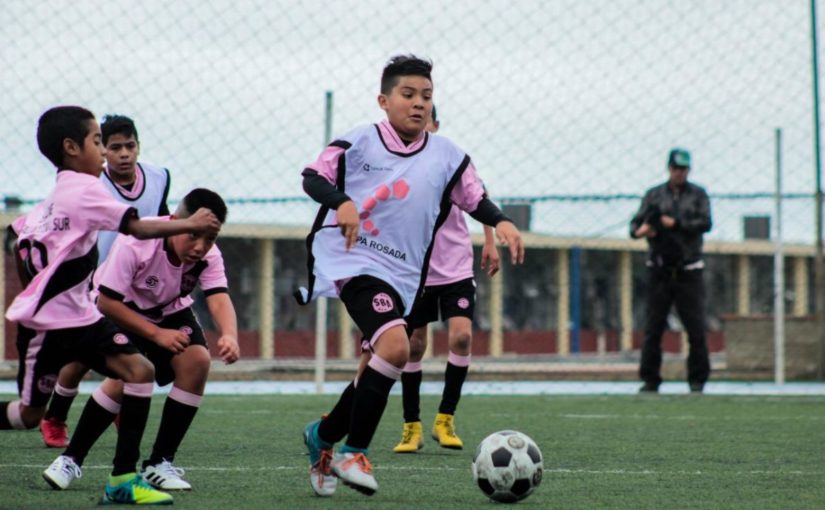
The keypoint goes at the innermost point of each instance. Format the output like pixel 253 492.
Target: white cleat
pixel 355 471
pixel 321 478
pixel 62 473
pixel 165 476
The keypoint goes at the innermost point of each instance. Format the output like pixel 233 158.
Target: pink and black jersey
pixel 403 193
pixel 452 258
pixel 57 241
pixel 139 273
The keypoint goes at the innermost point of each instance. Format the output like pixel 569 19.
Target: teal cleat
pixel 132 489
pixel 321 478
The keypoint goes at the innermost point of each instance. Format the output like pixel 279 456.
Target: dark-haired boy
pixel 140 185
pixel 400 184
pixel 56 254
pixel 145 287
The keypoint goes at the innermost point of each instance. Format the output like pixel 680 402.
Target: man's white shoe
pixel 62 472
pixel 321 478
pixel 165 476
pixel 355 471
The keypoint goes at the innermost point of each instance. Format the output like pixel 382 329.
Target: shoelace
pixel 449 429
pixel 408 435
pixel 168 469
pixel 361 459
pixel 323 464
pixel 71 469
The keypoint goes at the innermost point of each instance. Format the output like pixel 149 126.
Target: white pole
pixel 320 343
pixel 778 274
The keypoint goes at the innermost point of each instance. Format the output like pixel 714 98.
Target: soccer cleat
pixel 321 479
pixel 132 489
pixel 355 471
pixel 649 387
pixel 165 476
pixel 62 472
pixel 55 432
pixel 444 432
pixel 411 440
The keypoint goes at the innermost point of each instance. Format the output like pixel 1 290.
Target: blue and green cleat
pixel 132 489
pixel 321 478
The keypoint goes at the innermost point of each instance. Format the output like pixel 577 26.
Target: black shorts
pixel 373 305
pixel 457 299
pixel 183 320
pixel 44 352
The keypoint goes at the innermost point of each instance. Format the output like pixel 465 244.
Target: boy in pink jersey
pixel 140 185
pixel 145 287
pixel 450 288
pixel 400 184
pixel 56 254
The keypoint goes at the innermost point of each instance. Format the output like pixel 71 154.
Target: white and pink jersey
pixel 58 242
pixel 452 258
pixel 403 193
pixel 139 273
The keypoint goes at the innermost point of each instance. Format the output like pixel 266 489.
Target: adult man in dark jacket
pixel 673 217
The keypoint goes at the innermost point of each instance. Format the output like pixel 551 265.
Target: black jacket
pixel 682 244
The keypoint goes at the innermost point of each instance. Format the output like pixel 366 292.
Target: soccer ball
pixel 507 466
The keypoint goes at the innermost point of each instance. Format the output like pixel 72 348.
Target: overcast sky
pixel 549 97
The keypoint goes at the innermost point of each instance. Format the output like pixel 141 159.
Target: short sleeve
pixel 114 277
pixel 213 279
pixel 327 163
pixel 469 191
pixel 99 210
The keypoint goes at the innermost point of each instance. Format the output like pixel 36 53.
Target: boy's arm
pixel 489 253
pixel 202 221
pixel 223 313
pixel 468 194
pixel 112 307
pixel 319 183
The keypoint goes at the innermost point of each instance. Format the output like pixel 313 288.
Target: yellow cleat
pixel 444 432
pixel 411 440
pixel 132 489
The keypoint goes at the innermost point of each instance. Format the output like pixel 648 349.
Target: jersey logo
pixel 464 303
pixel 120 339
pixel 186 330
pixel 152 281
pixel 400 189
pixel 382 303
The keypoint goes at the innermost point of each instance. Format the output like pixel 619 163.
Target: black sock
pixel 335 426
pixel 368 407
pixel 174 423
pixel 134 411
pixel 4 419
pixel 59 407
pixel 411 395
pixel 93 422
pixel 453 381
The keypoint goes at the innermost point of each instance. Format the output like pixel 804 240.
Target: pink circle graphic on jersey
pixel 464 303
pixel 383 192
pixel 369 225
pixel 120 339
pixel 400 188
pixel 46 383
pixel 364 215
pixel 369 204
pixel 382 303
pixel 186 330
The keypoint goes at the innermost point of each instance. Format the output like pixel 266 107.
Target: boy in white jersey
pixel 400 183
pixel 450 288
pixel 140 185
pixel 56 254
pixel 145 287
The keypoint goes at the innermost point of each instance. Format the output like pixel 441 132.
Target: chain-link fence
pixel 566 106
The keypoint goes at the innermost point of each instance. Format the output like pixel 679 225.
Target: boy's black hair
pixel 404 65
pixel 114 124
pixel 433 115
pixel 202 197
pixel 58 123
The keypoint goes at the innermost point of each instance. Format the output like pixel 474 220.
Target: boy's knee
pixel 418 344
pixel 31 416
pixel 461 342
pixel 142 371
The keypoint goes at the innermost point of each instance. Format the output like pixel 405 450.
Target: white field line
pixel 561 471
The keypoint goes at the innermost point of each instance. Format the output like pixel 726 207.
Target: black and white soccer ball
pixel 508 466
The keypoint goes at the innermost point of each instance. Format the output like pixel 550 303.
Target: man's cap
pixel 679 157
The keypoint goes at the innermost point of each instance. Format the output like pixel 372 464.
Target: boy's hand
pixel 228 349
pixel 348 222
pixel 172 340
pixel 490 259
pixel 645 231
pixel 205 221
pixel 509 236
